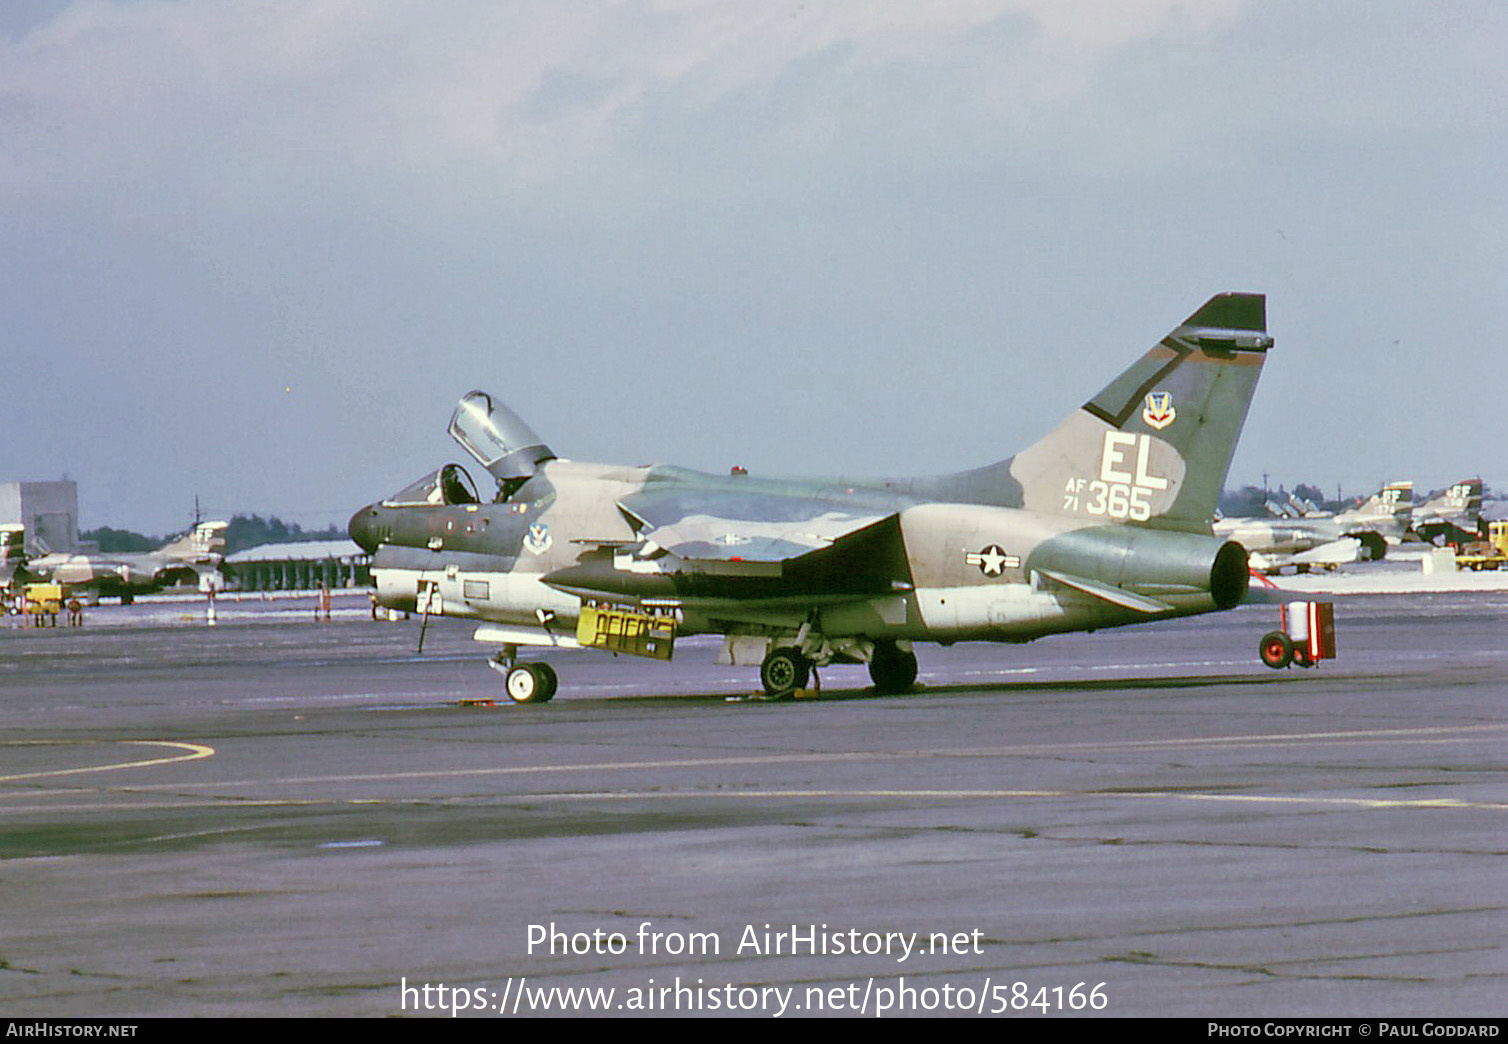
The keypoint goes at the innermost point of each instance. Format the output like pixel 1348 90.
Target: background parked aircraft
pixel 1361 533
pixel 1453 516
pixel 126 575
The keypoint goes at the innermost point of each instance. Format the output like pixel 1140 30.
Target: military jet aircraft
pixel 1361 533
pixel 128 574
pixel 1453 516
pixel 12 553
pixel 1104 522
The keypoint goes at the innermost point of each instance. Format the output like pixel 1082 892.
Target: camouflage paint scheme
pixel 1104 522
pixel 1453 516
pixel 1314 538
pixel 129 574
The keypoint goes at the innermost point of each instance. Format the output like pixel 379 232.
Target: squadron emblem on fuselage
pixel 538 541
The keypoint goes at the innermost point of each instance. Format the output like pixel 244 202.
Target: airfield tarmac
pixel 277 817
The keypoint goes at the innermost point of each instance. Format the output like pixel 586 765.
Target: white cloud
pixel 221 200
pixel 250 97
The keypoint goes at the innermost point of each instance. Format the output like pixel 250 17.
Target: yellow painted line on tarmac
pixel 974 794
pixel 1438 734
pixel 194 752
pixel 1433 734
pixel 823 794
pixel 155 806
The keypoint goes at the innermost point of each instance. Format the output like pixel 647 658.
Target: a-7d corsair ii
pixel 1104 522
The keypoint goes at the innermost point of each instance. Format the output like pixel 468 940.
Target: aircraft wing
pixel 724 526
pixel 1336 552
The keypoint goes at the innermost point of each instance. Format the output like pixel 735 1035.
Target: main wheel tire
pixel 1276 650
pixel 1373 547
pixel 892 670
pixel 526 683
pixel 783 671
pixel 551 681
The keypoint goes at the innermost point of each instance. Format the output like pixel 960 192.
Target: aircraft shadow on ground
pixel 832 695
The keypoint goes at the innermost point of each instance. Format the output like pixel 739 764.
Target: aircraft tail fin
pixel 1393 503
pixel 12 551
pixel 1154 446
pixel 206 539
pixel 1461 501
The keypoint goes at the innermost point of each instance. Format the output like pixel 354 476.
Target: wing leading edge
pixel 709 525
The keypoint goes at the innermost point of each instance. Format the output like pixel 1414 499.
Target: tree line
pixel 242 532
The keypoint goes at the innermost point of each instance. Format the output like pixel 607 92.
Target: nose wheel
pixel 526 682
pixel 531 683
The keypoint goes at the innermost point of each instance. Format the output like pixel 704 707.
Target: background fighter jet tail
pixel 1153 447
pixel 12 552
pixel 205 541
pixel 1453 516
pixel 1393 503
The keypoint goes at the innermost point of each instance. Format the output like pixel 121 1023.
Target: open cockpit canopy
pixel 498 438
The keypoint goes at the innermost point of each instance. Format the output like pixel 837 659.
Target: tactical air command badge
pixel 538 541
pixel 1159 411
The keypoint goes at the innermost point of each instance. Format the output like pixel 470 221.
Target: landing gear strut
pixel 525 682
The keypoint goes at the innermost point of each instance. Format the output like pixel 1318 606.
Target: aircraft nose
pixel 363 528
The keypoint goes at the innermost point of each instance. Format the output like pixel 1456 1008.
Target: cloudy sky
pixel 254 251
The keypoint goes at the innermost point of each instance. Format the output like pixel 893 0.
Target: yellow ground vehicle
pixel 42 603
pixel 1491 553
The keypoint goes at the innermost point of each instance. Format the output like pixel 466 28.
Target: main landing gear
pixel 786 669
pixel 525 682
pixel 892 669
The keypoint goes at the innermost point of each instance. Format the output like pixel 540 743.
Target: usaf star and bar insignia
pixel 992 561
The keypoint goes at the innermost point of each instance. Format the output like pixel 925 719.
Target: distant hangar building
pixel 48 510
pixel 300 566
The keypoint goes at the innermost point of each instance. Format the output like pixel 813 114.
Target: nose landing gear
pixel 525 682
